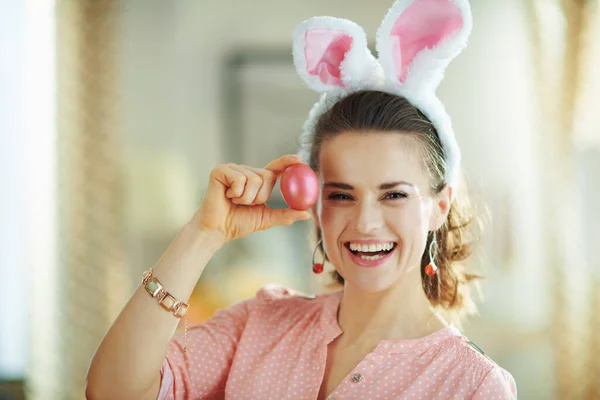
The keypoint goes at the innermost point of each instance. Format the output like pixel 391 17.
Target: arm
pixel 202 372
pixel 127 362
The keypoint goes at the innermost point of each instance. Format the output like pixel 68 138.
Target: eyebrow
pixel 383 186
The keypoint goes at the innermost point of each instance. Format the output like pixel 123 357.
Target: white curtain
pixel 568 55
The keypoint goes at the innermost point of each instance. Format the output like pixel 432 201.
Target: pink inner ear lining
pixel 325 50
pixel 424 24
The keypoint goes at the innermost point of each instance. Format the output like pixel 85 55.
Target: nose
pixel 369 218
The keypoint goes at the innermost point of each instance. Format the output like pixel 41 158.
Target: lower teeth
pixel 371 258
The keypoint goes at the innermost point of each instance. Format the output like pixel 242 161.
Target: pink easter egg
pixel 299 186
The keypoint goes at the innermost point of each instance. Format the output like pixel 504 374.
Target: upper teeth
pixel 371 247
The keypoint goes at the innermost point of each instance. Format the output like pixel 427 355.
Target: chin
pixel 368 284
pixel 382 278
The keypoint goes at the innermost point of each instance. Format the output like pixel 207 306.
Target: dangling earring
pixel 431 268
pixel 317 268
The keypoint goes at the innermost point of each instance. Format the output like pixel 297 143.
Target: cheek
pixel 408 220
pixel 333 218
pixel 333 222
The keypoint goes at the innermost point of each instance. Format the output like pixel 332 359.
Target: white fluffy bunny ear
pixel 331 55
pixel 418 38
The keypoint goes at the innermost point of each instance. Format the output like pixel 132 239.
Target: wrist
pixel 209 239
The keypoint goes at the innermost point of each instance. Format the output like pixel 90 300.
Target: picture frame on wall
pixel 265 104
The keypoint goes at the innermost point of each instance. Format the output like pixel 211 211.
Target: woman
pixel 390 223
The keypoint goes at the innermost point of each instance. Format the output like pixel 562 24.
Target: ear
pixel 418 38
pixel 331 55
pixel 441 208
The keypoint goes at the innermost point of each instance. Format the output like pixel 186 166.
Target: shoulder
pixel 278 303
pixel 273 303
pixel 273 292
pixel 277 312
pixel 487 376
pixel 498 382
pixel 280 297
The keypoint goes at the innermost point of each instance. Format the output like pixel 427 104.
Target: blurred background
pixel 112 114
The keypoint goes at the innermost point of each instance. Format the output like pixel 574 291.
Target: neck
pixel 401 312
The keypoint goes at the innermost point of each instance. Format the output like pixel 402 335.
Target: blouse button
pixel 356 378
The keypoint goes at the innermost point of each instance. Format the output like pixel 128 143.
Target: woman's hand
pixel 234 203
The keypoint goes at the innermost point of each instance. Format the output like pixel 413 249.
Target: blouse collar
pixel 331 330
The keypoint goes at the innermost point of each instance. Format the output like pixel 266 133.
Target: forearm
pixel 129 358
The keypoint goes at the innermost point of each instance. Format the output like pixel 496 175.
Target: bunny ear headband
pixel 416 41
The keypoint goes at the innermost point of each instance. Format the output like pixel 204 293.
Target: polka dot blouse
pixel 274 346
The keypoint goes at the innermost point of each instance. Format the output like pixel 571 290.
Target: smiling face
pixel 376 207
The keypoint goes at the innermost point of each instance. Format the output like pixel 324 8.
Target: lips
pixel 374 254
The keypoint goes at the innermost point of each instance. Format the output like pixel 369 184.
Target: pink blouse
pixel 274 346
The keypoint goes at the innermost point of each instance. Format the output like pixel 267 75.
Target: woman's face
pixel 375 207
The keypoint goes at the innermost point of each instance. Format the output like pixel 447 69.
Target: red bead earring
pixel 317 267
pixel 431 268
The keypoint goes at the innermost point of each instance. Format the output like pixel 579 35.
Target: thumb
pixel 282 216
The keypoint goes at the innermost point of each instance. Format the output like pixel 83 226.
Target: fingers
pixel 232 180
pixel 252 183
pixel 251 186
pixel 279 165
pixel 282 216
pixel 268 183
pixel 245 185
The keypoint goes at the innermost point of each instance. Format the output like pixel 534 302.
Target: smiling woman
pixel 388 212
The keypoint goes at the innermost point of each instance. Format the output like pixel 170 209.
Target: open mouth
pixel 371 252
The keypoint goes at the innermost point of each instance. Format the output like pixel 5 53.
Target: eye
pixel 339 196
pixel 395 196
